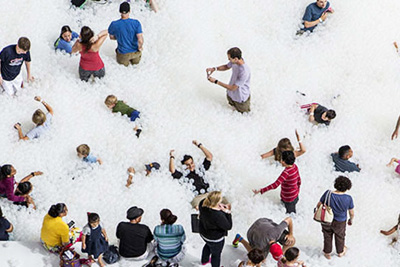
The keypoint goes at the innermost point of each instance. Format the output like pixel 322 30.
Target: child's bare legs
pixel 246 244
pixel 100 261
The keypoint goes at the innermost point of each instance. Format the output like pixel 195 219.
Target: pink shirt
pixel 91 60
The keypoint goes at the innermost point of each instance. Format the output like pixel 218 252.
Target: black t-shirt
pixel 198 181
pixel 318 114
pixel 11 62
pixel 133 239
pixel 4 225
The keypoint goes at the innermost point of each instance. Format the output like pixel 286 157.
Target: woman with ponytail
pixel 20 196
pixel 55 232
pixel 169 238
pixel 89 45
pixel 290 258
pixel 215 221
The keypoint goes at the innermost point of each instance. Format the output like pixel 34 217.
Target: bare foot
pixel 344 252
pixel 327 255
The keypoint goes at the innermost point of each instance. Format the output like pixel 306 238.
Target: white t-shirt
pixel 41 129
pixel 86 228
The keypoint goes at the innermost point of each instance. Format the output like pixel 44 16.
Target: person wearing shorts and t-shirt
pixel 315 14
pixel 11 59
pixel 238 89
pixel 129 35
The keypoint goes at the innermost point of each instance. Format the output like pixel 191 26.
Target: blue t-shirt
pixel 125 30
pixel 342 165
pixel 340 204
pixel 90 159
pixel 4 225
pixel 11 62
pixel 61 44
pixel 314 12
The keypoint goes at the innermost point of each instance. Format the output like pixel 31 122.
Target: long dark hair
pixel 23 188
pixel 56 210
pixel 167 217
pixel 86 35
pixel 64 29
pixel 5 170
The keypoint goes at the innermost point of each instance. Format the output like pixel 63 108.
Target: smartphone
pixel 71 224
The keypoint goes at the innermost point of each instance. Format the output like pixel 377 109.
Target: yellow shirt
pixel 54 232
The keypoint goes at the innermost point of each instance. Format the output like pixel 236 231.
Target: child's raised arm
pixel 47 106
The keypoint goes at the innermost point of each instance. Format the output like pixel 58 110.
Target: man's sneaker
pixel 173 265
pixel 236 241
pixel 138 131
pixel 209 261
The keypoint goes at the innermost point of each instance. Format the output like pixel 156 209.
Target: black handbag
pixel 195 223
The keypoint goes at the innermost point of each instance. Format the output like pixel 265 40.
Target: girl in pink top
pixel 21 195
pixel 393 160
pixel 88 46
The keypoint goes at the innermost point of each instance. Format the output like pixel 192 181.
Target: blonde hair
pixel 212 199
pixel 111 100
pixel 38 117
pixel 83 149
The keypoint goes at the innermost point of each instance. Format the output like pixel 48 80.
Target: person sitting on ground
pixel 263 233
pixel 94 239
pixel 64 42
pixel 238 89
pixel 319 114
pixel 393 160
pixel 149 167
pixel 341 160
pixel 120 106
pixel 170 239
pixel 42 121
pixel 291 258
pixel 11 59
pixel 129 36
pixel 55 232
pixel 134 238
pixel 83 152
pixel 290 181
pixel 396 130
pixel 285 145
pixel 200 186
pixel 21 195
pixel 5 227
pixel 255 257
pixel 88 46
pixel 315 14
pixel 395 229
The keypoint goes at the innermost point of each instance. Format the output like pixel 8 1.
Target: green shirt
pixel 123 108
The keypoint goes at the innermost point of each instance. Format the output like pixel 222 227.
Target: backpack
pixel 111 255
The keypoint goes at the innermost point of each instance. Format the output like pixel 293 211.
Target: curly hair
pixel 342 184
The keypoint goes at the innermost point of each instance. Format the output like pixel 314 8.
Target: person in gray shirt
pixel 264 231
pixel 341 160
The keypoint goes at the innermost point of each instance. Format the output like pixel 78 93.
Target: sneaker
pixel 152 262
pixel 138 131
pixel 209 261
pixel 173 265
pixel 236 241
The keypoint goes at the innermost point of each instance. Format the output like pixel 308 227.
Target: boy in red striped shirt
pixel 289 180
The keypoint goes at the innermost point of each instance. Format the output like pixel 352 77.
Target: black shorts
pixel 282 238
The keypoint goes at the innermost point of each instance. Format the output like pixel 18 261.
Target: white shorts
pixel 11 87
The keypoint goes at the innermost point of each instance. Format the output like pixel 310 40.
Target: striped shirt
pixel 290 184
pixel 169 240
